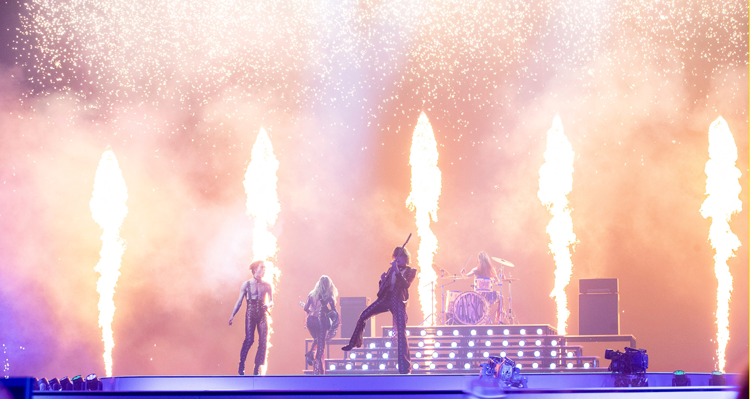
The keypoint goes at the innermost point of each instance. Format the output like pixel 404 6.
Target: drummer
pixel 483 270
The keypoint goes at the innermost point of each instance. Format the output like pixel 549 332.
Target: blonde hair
pixel 324 289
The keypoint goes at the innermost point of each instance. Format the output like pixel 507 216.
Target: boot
pixel 241 369
pixel 309 358
pixel 256 370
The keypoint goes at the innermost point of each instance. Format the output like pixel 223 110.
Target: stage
pixel 542 385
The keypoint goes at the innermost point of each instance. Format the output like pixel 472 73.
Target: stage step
pixel 460 349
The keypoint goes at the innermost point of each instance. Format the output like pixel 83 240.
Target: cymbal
pixel 454 277
pixel 511 279
pixel 503 262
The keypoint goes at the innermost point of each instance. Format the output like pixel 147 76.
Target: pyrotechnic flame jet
pixel 108 210
pixel 425 191
pixel 263 208
pixel 555 182
pixel 723 189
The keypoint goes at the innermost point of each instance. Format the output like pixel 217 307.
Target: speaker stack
pixel 351 308
pixel 598 307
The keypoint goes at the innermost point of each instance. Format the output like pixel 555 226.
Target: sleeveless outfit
pixel 255 317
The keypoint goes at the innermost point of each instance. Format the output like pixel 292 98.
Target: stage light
pixel 434 355
pixel 553 353
pixel 348 366
pixel 54 385
pixel 487 343
pixel 570 354
pixel 535 365
pixel 436 344
pixel 520 353
pixel 503 354
pixel 418 354
pixel 392 333
pixel 570 365
pixel 454 344
pixel 449 366
pixel 382 366
pixel 503 371
pixel 521 343
pixel 452 355
pixel 415 366
pixel 717 379
pixel 486 354
pixel 408 333
pixel 680 379
pixel 519 366
pixel 439 333
pixel 554 342
pixel 332 367
pixel 471 343
pixel 473 332
pixel 506 332
pixel 586 365
pixel 537 353
pixel 368 356
pixel 44 385
pixel 552 365
pixel 372 345
pixel 420 344
pixel 432 366
pixel 78 383
pixel 423 333
pixel 352 356
pixel 388 344
pixel 539 331
pixel 467 366
pixel 523 331
pixel 505 342
pixel 66 384
pixel 365 367
pixel 385 356
pixel 455 332
pixel 469 355
pixel 538 342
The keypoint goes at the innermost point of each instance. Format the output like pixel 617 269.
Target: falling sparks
pixel 425 191
pixel 108 210
pixel 111 52
pixel 555 182
pixel 723 189
pixel 263 208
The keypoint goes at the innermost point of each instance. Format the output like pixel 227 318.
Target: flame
pixel 425 190
pixel 108 210
pixel 723 189
pixel 263 208
pixel 555 182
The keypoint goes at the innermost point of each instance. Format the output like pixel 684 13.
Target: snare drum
pixel 482 284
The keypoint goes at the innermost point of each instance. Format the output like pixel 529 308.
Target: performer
pixel 484 269
pixel 322 320
pixel 254 291
pixel 393 294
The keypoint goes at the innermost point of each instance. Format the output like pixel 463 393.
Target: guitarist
pixel 393 293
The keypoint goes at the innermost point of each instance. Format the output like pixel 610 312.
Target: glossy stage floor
pixel 540 385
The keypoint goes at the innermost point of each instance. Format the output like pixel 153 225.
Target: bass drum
pixel 470 308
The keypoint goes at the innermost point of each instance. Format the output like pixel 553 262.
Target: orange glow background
pixel 641 144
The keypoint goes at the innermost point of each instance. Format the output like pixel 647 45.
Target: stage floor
pixel 542 385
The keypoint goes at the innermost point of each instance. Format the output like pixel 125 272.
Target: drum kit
pixel 475 307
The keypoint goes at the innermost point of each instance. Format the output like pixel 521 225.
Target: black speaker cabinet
pixel 351 308
pixel 598 314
